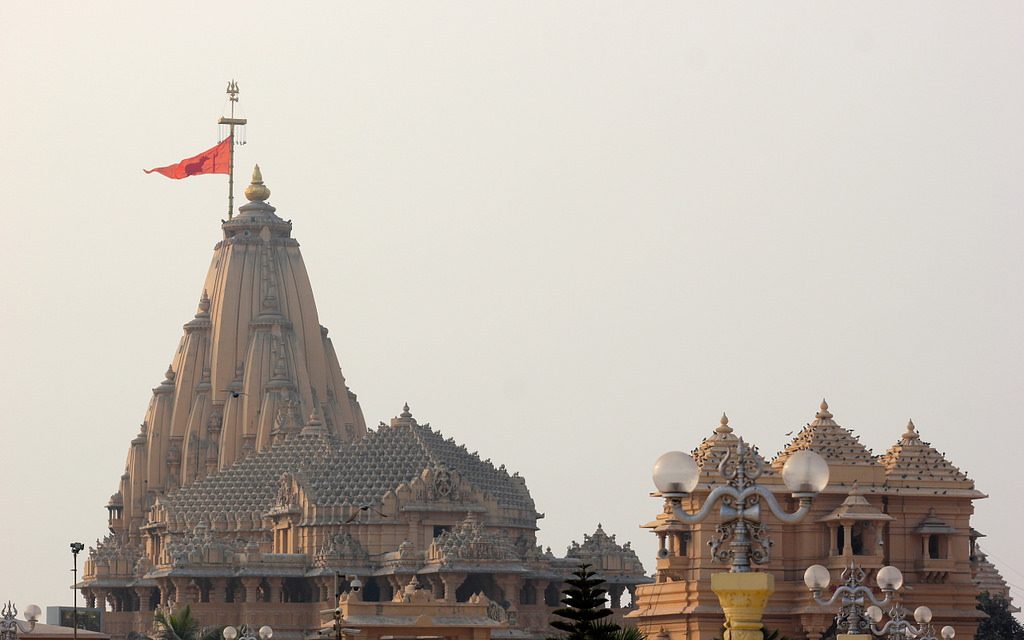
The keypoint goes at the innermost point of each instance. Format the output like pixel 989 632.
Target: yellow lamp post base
pixel 743 597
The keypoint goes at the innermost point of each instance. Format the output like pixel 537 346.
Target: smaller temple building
pixel 909 507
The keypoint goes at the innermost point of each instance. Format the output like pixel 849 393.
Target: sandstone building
pixel 255 492
pixel 909 507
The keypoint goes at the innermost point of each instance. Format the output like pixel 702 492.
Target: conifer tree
pixel 584 600
pixel 1000 624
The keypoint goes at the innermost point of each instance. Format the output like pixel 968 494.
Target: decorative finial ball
pixel 257 191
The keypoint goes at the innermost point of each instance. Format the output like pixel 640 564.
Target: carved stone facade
pixel 254 491
pixel 909 507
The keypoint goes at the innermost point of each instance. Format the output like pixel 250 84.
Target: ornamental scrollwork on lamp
pixel 742 537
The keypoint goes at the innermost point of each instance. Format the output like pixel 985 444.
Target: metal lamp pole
pixel 853 618
pixel 75 548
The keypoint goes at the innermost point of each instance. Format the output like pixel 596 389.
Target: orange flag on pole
pixel 216 159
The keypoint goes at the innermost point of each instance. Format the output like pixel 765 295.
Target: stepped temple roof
pixel 359 474
pixel 913 462
pixel 830 440
pixel 710 452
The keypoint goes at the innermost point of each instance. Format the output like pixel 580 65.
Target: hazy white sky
pixel 568 234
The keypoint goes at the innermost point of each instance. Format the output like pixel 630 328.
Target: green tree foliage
pixel 584 600
pixel 182 625
pixel 1000 624
pixel 607 628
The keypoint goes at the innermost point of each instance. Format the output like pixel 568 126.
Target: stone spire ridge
pixel 830 440
pixel 914 462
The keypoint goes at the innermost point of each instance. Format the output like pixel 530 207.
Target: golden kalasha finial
pixel 257 191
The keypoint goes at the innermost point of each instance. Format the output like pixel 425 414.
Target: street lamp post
pixel 741 536
pixel 857 621
pixel 899 628
pixel 10 626
pixel 852 618
pixel 676 475
pixel 75 548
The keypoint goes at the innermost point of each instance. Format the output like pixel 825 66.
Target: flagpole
pixel 231 122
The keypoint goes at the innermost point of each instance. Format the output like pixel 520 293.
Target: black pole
pixel 75 548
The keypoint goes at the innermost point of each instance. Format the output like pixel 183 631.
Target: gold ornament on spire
pixel 257 191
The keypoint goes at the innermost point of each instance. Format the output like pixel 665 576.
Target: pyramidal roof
pixel 830 440
pixel 356 475
pixel 713 449
pixel 254 365
pixel 913 462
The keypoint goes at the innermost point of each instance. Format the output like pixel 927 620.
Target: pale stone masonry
pixel 255 492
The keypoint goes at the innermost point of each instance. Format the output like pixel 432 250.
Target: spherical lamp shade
pixel 889 578
pixel 230 633
pixel 923 614
pixel 32 612
pixel 266 633
pixel 816 577
pixel 874 614
pixel 676 472
pixel 948 632
pixel 805 472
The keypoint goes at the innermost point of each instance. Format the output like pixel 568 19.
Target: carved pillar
pixel 165 592
pixel 251 585
pixel 101 596
pixel 847 541
pixel 833 541
pixel 276 590
pixel 452 582
pixel 218 590
pixel 615 593
pixel 90 598
pixel 661 543
pixel 143 593
pixel 631 588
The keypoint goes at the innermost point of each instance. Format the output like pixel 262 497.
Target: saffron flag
pixel 216 159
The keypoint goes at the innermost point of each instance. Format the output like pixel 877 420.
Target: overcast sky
pixel 568 234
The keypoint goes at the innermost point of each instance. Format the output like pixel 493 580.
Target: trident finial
pixel 233 91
